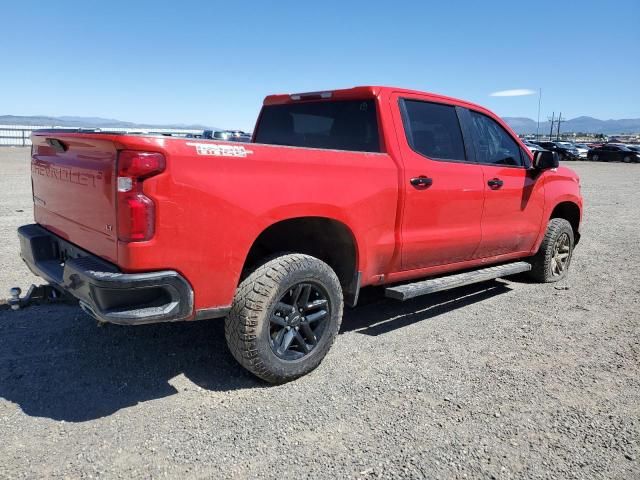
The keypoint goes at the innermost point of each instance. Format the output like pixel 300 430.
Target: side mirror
pixel 545 160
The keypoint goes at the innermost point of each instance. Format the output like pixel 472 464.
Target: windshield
pixel 339 125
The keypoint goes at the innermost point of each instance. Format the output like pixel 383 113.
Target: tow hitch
pixel 37 294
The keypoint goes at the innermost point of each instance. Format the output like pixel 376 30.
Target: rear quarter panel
pixel 211 208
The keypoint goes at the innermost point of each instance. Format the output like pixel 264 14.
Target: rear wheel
pixel 596 158
pixel 285 317
pixel 551 263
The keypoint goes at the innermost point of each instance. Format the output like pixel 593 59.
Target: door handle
pixel 495 183
pixel 421 181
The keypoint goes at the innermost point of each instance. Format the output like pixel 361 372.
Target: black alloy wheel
pixel 285 316
pixel 298 321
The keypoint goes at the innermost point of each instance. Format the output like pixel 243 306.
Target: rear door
pixel 443 189
pixel 514 199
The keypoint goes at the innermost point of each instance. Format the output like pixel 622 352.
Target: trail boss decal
pixel 218 150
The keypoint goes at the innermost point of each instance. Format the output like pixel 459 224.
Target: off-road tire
pixel 542 262
pixel 247 327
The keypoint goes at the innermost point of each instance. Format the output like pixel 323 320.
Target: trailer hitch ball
pixel 14 298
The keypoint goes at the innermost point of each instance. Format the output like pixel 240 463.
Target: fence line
pixel 15 136
pixel 20 135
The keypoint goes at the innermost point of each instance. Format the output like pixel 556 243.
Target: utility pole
pixel 559 122
pixel 552 119
pixel 538 125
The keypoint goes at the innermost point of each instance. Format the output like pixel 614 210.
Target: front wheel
pixel 627 159
pixel 551 263
pixel 595 158
pixel 285 317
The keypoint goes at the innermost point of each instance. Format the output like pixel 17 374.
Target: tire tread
pixel 251 305
pixel 541 261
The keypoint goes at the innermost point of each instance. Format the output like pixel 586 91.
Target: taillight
pixel 136 211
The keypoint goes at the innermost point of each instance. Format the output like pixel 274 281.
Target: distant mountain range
pixel 90 122
pixel 521 125
pixel 580 124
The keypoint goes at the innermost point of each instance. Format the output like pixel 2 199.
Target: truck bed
pixel 212 201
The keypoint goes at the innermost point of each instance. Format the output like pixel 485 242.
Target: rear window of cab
pixel 337 125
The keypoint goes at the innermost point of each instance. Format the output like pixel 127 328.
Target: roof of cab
pixel 360 92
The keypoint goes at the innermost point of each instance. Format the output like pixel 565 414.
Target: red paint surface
pixel 209 209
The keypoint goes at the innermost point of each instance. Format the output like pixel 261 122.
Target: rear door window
pixel 433 130
pixel 339 125
pixel 494 146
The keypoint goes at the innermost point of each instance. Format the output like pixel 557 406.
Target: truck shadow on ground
pixel 56 363
pixel 377 315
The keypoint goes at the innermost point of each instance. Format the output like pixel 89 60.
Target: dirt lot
pixel 505 380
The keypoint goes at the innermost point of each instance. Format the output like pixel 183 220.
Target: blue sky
pixel 212 62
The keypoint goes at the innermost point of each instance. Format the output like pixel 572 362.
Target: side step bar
pixel 424 287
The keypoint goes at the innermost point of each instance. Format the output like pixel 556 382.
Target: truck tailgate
pixel 74 190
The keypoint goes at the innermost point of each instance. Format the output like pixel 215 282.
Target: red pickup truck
pixel 337 190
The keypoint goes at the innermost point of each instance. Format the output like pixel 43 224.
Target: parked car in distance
pixel 613 153
pixel 582 150
pixel 338 190
pixel 532 147
pixel 227 135
pixel 594 145
pixel 566 152
pixel 634 148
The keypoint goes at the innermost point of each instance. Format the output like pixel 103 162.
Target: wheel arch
pixel 571 212
pixel 328 239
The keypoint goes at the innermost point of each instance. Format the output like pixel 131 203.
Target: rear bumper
pixel 103 291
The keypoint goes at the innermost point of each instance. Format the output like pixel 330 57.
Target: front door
pixel 514 198
pixel 443 190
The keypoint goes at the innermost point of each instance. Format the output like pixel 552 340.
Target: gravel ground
pixel 504 380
